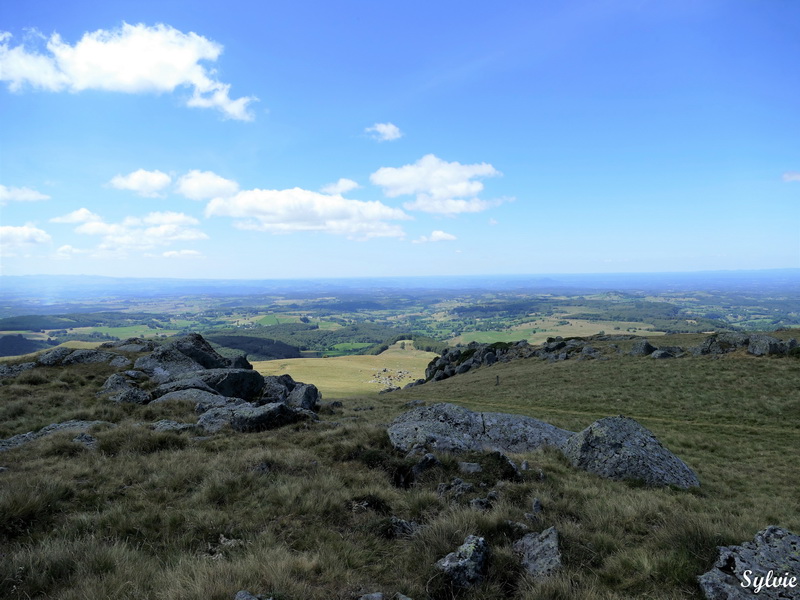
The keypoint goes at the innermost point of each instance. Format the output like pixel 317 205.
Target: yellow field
pixel 347 376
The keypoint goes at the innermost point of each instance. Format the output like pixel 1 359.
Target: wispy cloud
pixel 295 210
pixel 791 176
pixel 340 187
pixel 384 132
pixel 436 236
pixel 131 59
pixel 82 215
pixel 20 194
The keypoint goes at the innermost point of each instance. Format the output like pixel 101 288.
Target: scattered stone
pixel 524 466
pixel 427 462
pixel 455 489
pixel 467 565
pixel 539 553
pixel 621 448
pixel 132 345
pixel 400 528
pixel 662 354
pixel 536 506
pixel 87 440
pixel 773 550
pixel 481 504
pixel 469 467
pixel 451 428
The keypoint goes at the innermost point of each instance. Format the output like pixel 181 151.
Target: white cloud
pixel 154 230
pixel 145 183
pixel 436 236
pixel 82 215
pixel 204 185
pixel 293 210
pixel 791 176
pixel 340 187
pixel 385 132
pixel 440 187
pixel 67 252
pixel 182 254
pixel 492 222
pixel 130 59
pixel 13 239
pixel 23 194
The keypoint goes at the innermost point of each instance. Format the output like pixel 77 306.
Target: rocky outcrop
pixel 134 345
pixel 73 426
pixel 620 448
pixel 539 553
pixel 54 357
pixel 467 565
pixel 451 428
pixel 762 568
pixel 232 383
pixel 642 348
pixel 757 344
pixel 15 370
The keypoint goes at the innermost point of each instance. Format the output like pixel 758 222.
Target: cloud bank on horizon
pixel 545 128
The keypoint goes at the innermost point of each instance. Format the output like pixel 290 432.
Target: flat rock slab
pixel 762 568
pixel 621 448
pixel 269 416
pixel 451 428
pixel 232 383
pixel 24 438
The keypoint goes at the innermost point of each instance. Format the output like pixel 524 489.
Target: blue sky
pixel 361 138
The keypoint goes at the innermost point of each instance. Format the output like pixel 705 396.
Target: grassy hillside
pixel 303 512
pixel 347 376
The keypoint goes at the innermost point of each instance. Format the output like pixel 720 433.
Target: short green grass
pixel 302 512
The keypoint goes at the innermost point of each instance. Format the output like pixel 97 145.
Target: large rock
pixel 118 388
pixel 766 345
pixel 14 370
pixel 642 348
pixel 620 448
pixel 86 356
pixel 166 363
pixel 742 572
pixel 277 388
pixel 185 383
pixel 269 416
pixel 539 553
pixel 199 350
pixel 232 383
pixel 451 428
pixel 467 565
pixel 304 395
pixel 55 356
pixel 195 396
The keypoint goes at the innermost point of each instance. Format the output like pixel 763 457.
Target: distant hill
pixel 257 348
pixel 13 345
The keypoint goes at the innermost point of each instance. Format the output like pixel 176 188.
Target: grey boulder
pixel 269 416
pixel 539 553
pixel 621 448
pixel 451 428
pixel 733 575
pixel 232 383
pixel 467 565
